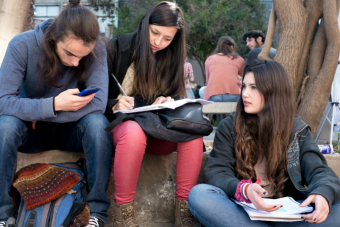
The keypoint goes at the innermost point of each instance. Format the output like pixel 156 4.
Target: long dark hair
pixel 83 24
pixel 227 46
pixel 266 135
pixel 162 73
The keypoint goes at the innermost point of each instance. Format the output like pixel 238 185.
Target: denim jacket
pixel 307 167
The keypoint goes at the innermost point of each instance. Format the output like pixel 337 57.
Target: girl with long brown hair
pixel 264 139
pixel 222 70
pixel 149 64
pixel 41 74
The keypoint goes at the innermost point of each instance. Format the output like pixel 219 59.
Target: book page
pixel 170 105
pixel 291 211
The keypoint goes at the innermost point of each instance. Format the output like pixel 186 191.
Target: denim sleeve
pixel 219 169
pixel 318 176
pixel 12 74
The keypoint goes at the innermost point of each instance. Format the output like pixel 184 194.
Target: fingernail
pixel 281 205
pixel 274 206
pixel 314 219
pixel 264 193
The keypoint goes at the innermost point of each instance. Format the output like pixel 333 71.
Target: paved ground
pixel 164 225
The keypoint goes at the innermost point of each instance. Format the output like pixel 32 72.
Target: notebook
pixel 170 105
pixel 290 212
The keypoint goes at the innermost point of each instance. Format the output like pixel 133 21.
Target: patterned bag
pixel 50 195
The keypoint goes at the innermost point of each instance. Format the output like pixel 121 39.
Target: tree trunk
pixel 322 66
pixel 13 19
pixel 201 64
pixel 264 54
pixel 314 11
pixel 292 18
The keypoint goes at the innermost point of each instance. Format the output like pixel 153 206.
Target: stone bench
pixel 219 108
pixel 156 184
pixel 155 191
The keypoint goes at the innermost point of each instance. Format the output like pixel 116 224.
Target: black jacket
pixel 119 58
pixel 306 165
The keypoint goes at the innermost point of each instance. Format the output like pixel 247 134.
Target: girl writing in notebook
pixel 149 64
pixel 264 139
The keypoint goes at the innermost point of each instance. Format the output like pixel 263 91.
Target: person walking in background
pixel 189 76
pixel 222 70
pixel 255 40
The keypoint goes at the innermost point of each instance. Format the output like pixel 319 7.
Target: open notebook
pixel 288 213
pixel 170 105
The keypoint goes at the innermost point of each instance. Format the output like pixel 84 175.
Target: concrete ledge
pixel 155 191
pixel 219 108
pixel 156 186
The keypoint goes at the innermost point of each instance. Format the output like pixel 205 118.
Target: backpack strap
pixel 119 117
pixel 76 208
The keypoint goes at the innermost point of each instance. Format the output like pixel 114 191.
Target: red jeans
pixel 131 144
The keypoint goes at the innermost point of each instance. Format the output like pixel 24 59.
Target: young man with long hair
pixel 41 74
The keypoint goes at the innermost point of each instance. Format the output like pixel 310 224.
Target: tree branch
pixel 264 54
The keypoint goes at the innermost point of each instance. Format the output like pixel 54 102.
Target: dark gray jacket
pixel 306 165
pixel 253 54
pixel 119 58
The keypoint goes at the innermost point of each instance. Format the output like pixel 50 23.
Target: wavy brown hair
pixel 227 46
pixel 266 134
pixel 78 21
pixel 162 73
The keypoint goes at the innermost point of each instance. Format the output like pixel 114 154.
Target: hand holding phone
pixel 70 100
pixel 88 91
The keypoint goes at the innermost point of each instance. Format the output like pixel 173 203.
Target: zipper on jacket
pixel 287 155
pixel 50 214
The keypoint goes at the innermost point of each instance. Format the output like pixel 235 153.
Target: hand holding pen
pixel 125 102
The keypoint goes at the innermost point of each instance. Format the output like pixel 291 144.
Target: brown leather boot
pixel 125 215
pixel 183 215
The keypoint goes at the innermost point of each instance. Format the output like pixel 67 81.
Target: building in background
pixel 45 9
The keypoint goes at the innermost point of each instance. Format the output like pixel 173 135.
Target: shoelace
pixel 93 222
pixel 2 224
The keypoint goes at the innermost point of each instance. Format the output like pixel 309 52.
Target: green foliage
pixel 205 20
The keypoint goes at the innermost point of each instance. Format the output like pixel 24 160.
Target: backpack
pixel 66 209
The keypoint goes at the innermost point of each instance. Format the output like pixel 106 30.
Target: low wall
pixel 156 186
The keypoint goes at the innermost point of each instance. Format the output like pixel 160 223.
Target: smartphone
pixel 88 91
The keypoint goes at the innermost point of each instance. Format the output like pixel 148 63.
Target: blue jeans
pixel 190 94
pixel 213 208
pixel 224 98
pixel 86 135
pixel 201 92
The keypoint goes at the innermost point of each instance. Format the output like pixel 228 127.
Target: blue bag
pixel 61 211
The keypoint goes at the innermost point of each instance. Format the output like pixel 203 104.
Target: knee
pixel 129 130
pixel 94 123
pixel 198 191
pixel 10 127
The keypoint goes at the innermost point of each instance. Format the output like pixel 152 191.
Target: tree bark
pixel 292 18
pixel 13 19
pixel 1 2
pixel 264 54
pixel 314 11
pixel 322 67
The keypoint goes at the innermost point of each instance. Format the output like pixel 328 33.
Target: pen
pixel 121 88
